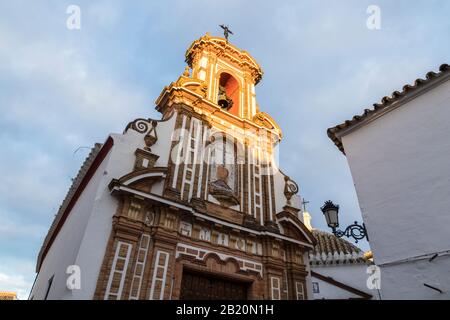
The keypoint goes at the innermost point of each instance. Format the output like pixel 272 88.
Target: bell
pixel 223 99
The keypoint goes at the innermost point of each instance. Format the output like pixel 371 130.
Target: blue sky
pixel 62 89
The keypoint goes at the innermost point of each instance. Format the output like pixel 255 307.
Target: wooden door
pixel 196 286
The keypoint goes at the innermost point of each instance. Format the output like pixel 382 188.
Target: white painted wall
pixel 161 148
pixel 309 292
pixel 280 198
pixel 92 250
pixel 164 131
pixel 405 280
pixel 83 238
pixel 400 165
pixel 65 247
pixel 353 275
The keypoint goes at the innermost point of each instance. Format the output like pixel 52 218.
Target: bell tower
pixel 220 129
pixel 229 73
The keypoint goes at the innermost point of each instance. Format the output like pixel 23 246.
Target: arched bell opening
pixel 228 97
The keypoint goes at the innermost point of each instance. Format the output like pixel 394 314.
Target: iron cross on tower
pixel 304 203
pixel 226 31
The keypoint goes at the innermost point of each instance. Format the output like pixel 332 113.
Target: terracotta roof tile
pixel 386 102
pixel 333 250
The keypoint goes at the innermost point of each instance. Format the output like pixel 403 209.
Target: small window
pixel 315 286
pixel 49 285
pixel 275 284
pixel 299 290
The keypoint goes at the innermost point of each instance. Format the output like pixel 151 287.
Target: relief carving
pixel 149 217
pixel 220 189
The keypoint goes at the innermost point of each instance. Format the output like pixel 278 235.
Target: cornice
pixel 120 189
pixel 195 103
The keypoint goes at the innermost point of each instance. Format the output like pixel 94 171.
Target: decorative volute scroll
pixel 147 127
pixel 140 125
pixel 290 188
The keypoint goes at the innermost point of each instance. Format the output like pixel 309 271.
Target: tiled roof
pixel 333 250
pixel 387 102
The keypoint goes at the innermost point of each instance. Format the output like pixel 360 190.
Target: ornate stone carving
pixel 186 72
pixel 272 226
pixel 290 188
pixel 140 125
pixel 220 190
pixel 134 210
pixel 240 244
pixel 169 221
pixel 149 217
pixel 205 234
pixel 250 222
pixel 264 120
pixel 144 159
pixel 147 127
pixel 198 204
pixel 204 89
pixel 222 239
pixel 185 228
pixel 229 52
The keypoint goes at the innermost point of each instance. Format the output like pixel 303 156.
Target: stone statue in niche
pixel 222 239
pixel 185 228
pixel 240 244
pixel 205 234
pixel 149 218
pixel 220 189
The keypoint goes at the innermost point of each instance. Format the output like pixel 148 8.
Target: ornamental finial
pixel 226 31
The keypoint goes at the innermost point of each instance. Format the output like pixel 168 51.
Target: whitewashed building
pixel 399 157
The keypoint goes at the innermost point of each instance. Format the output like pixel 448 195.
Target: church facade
pixel 192 206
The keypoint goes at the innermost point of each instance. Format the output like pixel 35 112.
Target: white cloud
pixel 60 99
pixel 17 276
pixel 104 13
pixel 58 96
pixel 24 232
pixel 31 179
pixel 79 92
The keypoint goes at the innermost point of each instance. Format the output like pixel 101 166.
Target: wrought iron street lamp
pixel 355 231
